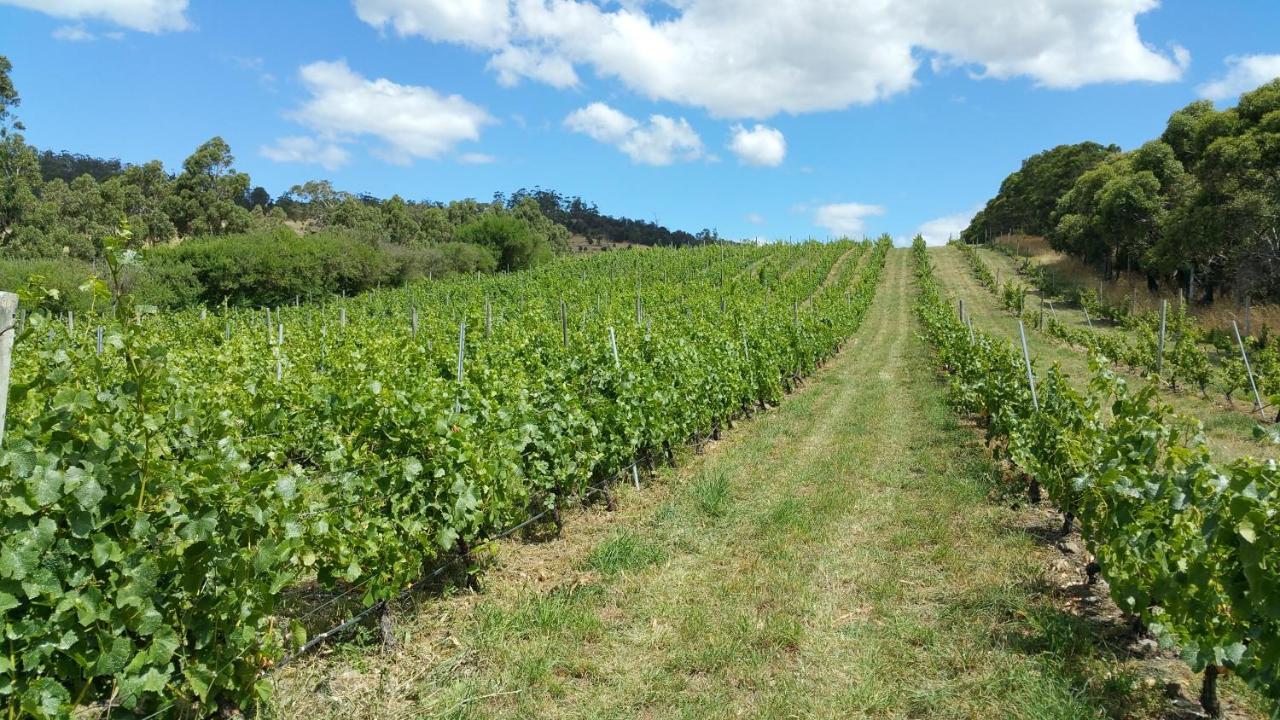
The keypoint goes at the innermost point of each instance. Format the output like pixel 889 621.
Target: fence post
pixel 564 324
pixel 1164 306
pixel 462 349
pixel 8 311
pixel 1257 398
pixel 613 343
pixel 1026 358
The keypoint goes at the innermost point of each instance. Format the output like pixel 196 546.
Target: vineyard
pixel 1168 344
pixel 191 496
pixel 1185 544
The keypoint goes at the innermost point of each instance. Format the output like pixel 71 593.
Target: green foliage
pixel 1186 545
pixel 162 496
pixel 274 269
pixel 513 242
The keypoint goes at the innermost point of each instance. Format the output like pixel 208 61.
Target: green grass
pixel 837 557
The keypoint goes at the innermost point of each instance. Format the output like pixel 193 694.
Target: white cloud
pixel 151 16
pixel 514 63
pixel 412 121
pixel 479 23
pixel 301 149
pixel 600 122
pixel 73 33
pixel 746 58
pixel 476 159
pixel 761 145
pixel 755 218
pixel 1244 73
pixel 939 230
pixel 845 219
pixel 661 141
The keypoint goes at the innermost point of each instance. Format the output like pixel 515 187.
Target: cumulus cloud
pixel 939 230
pixel 761 145
pixel 745 58
pixel 845 219
pixel 412 121
pixel 153 16
pixel 661 141
pixel 1244 73
pixel 308 150
pixel 478 23
pixel 514 63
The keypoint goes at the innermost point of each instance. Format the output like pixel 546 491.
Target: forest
pixel 1197 208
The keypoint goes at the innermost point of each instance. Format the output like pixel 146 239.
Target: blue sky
pixel 774 119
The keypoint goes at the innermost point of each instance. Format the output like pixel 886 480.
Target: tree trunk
pixel 1209 692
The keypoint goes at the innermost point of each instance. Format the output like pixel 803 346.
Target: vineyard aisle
pixel 835 557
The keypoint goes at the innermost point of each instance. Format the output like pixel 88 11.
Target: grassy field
pixel 1228 429
pixel 845 554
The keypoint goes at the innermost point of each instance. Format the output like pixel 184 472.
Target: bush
pixel 64 275
pixel 440 260
pixel 274 268
pixel 514 243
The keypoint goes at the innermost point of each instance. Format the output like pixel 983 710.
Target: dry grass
pixel 1131 288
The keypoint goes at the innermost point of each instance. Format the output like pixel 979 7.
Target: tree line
pixel 1197 208
pixel 205 233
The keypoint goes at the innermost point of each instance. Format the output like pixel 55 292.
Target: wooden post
pixel 488 319
pixel 962 315
pixel 99 343
pixel 1086 318
pixel 413 321
pixel 635 474
pixel 204 314
pixel 564 324
pixel 280 335
pixel 1257 398
pixel 639 310
pixel 8 309
pixel 1164 307
pixel 227 334
pixel 462 350
pixel 71 322
pixel 969 322
pixel 342 316
pixel 1026 358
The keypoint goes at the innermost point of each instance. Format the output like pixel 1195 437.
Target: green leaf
pixel 45 698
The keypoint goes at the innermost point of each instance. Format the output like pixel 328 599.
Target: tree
pixel 19 167
pixel 205 194
pixel 512 241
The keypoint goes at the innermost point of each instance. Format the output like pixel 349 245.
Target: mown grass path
pixel 834 557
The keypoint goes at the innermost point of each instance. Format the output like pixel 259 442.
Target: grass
pixel 835 557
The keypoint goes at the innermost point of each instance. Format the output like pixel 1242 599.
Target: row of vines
pixel 179 488
pixel 1188 546
pixel 1191 356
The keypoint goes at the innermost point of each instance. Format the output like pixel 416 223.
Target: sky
pixel 761 119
